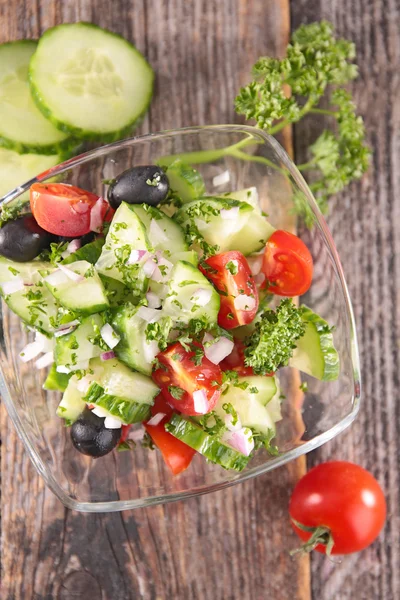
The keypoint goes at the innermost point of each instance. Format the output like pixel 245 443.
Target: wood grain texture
pixel 365 222
pixel 227 545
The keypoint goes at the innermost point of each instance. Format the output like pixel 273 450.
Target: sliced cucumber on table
pixel 90 82
pixel 23 128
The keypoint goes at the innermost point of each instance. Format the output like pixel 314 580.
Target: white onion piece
pixel 136 256
pixel 156 420
pixel 149 267
pixel 58 277
pixel 71 274
pixel 65 330
pixel 107 355
pixel 201 297
pixel 153 300
pixel 208 337
pixel 150 350
pixel 45 360
pixel 229 424
pixel 96 218
pixel 243 302
pixel 259 278
pixel 162 276
pixel 156 233
pixel 31 351
pixel 99 411
pixel 109 336
pixel 112 423
pixel 255 263
pixel 81 366
pixel 200 402
pixel 136 435
pixel 63 369
pixel 47 343
pixel 219 350
pixel 16 285
pixel 229 214
pixel 74 245
pixel 83 384
pixel 241 440
pixel 148 314
pixel 221 179
pixel 73 323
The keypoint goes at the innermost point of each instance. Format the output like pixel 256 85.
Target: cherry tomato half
pixel 344 499
pixel 65 209
pixel 231 275
pixel 176 454
pixel 178 377
pixel 287 264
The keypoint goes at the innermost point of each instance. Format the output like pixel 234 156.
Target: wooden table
pixel 234 544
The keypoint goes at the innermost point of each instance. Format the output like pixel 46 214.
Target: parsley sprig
pixel 317 65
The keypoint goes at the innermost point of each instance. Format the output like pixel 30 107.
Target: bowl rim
pixel 322 438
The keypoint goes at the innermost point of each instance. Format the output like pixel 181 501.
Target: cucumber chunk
pixel 248 195
pixel 72 403
pixel 78 346
pixel 89 81
pixel 23 128
pixel 87 297
pixel 16 169
pixel 90 252
pixel 164 233
pixel 56 381
pixel 206 444
pixel 251 404
pixel 34 304
pixel 125 394
pixel 315 353
pixel 126 233
pixel 185 181
pixel 186 283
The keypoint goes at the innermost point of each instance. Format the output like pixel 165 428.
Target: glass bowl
pixel 229 158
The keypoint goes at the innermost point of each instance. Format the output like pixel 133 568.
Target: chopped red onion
pixel 255 263
pixel 243 302
pixel 74 245
pixel 71 274
pixel 153 300
pixel 149 267
pixel 107 355
pixel 58 277
pixel 16 285
pixel 112 423
pixel 96 216
pixel 201 296
pixel 45 360
pixel 162 276
pixel 31 351
pixel 47 343
pixel 200 401
pixel 230 213
pixel 109 336
pixel 156 233
pixel 259 278
pixel 241 440
pixel 67 328
pixel 218 350
pixel 156 420
pixel 136 256
pixel 148 314
pixel 228 423
pixel 221 179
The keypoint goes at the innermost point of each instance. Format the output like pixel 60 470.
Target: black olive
pixel 23 239
pixel 147 184
pixel 84 239
pixel 90 437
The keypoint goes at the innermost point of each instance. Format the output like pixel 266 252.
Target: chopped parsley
pixel 233 267
pixel 230 410
pixel 176 392
pixel 304 386
pixel 159 332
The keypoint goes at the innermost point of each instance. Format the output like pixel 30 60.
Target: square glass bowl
pixel 229 158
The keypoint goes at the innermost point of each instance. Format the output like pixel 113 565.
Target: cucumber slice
pixel 89 81
pixel 253 236
pixel 23 128
pixel 123 393
pixel 251 405
pixel 134 349
pixel 248 195
pixel 56 381
pixel 16 169
pixel 117 292
pixel 315 353
pixel 208 445
pixel 35 305
pixel 185 284
pixel 76 347
pixel 72 404
pixel 126 233
pixel 185 181
pixel 164 233
pixel 189 256
pixel 90 252
pixel 87 297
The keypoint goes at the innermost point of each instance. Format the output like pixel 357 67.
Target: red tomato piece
pixel 65 209
pixel 124 433
pixel 179 378
pixel 231 276
pixel 176 454
pixel 287 265
pixel 345 499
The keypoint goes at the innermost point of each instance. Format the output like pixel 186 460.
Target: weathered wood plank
pixel 230 544
pixel 365 222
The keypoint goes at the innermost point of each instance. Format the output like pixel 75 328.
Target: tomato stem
pixel 320 535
